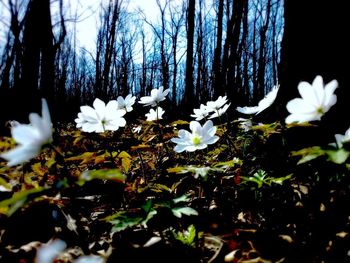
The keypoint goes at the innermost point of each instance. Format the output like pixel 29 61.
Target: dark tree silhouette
pixel 315 43
pixel 189 88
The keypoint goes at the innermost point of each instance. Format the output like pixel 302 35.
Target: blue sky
pixel 89 12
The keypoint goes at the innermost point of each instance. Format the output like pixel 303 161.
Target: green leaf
pixel 309 154
pixel 187 237
pixel 179 122
pixel 126 160
pixel 19 199
pixel 149 216
pixel 279 180
pixel 183 198
pixel 147 207
pixel 338 156
pixel 179 211
pixel 110 174
pixel 83 158
pixel 228 164
pixel 125 222
pixel 6 187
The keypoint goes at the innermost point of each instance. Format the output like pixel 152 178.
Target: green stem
pixel 108 150
pixel 142 166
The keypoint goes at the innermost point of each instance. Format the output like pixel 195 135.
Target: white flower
pixel 340 139
pixel 30 137
pixel 200 113
pixel 216 105
pixel 152 115
pixel 89 259
pixel 101 118
pixel 126 104
pixel 48 252
pixel 220 111
pixel 315 101
pixel 263 104
pixel 201 171
pixel 137 129
pixel 245 124
pixel 157 95
pixel 198 139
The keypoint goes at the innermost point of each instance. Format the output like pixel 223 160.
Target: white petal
pixel 155 92
pixel 112 105
pixel 179 148
pixel 195 126
pixel 212 140
pixel 299 105
pixel 166 92
pixel 339 138
pixel 45 113
pixel 347 133
pixel 99 106
pixel 121 122
pixel 24 134
pixel 300 118
pixel 88 112
pixel 207 126
pixel 121 102
pixel 184 134
pixel 179 141
pixel 35 120
pixel 47 253
pixel 92 127
pixel 190 148
pixel 331 101
pixel 20 154
pixel 318 87
pixel 329 93
pixel 146 100
pixel 212 131
pixel 248 110
pixel 90 259
pixel 307 92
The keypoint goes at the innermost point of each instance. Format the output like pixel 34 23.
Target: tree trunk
pixel 38 54
pixel 313 45
pixel 217 83
pixel 260 89
pixel 189 86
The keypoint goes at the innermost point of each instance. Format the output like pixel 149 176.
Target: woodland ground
pixel 129 197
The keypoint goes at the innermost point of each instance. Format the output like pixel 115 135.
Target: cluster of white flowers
pixel 155 115
pixel 157 95
pixel 316 99
pixel 217 108
pixel 201 136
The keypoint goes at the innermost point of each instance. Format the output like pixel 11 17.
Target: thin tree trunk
pixel 217 83
pixel 189 88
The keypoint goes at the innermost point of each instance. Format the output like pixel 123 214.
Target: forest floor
pixel 260 194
